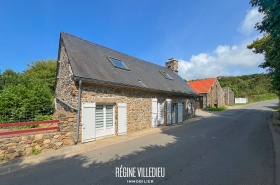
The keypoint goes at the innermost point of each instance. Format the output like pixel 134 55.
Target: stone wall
pixel 64 84
pixel 139 103
pixel 214 94
pixel 12 147
pixel 229 96
pixel 226 95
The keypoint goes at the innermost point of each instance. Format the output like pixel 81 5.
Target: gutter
pixel 66 104
pixel 79 108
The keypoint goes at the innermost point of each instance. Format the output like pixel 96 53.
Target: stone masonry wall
pixel 226 95
pixel 17 146
pixel 139 103
pixel 214 94
pixel 64 82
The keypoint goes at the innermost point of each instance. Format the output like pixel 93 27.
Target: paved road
pixel 232 147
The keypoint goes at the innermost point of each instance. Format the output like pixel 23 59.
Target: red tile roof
pixel 202 86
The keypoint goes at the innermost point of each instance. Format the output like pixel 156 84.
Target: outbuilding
pixel 210 91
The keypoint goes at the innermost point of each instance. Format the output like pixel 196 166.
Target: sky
pixel 208 38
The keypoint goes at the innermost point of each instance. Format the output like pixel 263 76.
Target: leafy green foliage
pixel 215 108
pixel 269 45
pixel 28 96
pixel 35 151
pixel 10 77
pixel 44 70
pixel 261 97
pixel 247 85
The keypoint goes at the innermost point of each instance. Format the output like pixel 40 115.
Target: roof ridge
pixel 109 48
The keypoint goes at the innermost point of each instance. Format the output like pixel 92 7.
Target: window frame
pixel 165 75
pixel 109 58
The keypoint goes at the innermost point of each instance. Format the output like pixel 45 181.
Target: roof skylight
pixel 166 75
pixel 118 63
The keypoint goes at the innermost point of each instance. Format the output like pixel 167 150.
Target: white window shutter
pixel 154 112
pixel 158 113
pixel 180 112
pixel 122 119
pixel 88 122
pixel 168 111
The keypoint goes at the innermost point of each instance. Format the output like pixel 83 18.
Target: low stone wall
pixel 18 146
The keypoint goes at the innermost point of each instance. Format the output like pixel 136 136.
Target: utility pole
pixel 259 92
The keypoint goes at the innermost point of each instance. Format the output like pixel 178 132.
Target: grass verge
pixel 238 104
pixel 215 109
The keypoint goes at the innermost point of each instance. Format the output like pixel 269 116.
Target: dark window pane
pixel 166 75
pixel 118 63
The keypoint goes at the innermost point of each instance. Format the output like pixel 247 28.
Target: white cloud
pixel 246 27
pixel 226 60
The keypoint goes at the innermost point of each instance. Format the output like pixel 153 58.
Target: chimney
pixel 172 64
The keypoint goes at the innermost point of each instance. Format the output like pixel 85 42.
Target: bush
pixel 262 97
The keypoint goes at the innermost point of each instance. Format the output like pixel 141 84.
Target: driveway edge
pixel 276 146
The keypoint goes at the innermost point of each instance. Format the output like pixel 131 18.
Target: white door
pixel 110 120
pixel 160 113
pixel 88 122
pixel 168 111
pixel 174 113
pixel 180 112
pixel 104 120
pixel 122 119
pixel 154 112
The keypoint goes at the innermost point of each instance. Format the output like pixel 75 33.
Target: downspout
pixel 79 108
pixel 206 100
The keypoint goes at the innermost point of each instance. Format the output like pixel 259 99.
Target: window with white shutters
pixel 109 115
pixel 99 120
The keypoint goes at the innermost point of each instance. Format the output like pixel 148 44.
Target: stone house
pixel 111 93
pixel 229 96
pixel 210 91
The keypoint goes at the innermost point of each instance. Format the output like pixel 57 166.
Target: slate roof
pixel 202 86
pixel 90 61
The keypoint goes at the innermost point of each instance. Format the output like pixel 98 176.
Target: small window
pixel 189 108
pixel 166 75
pixel 117 63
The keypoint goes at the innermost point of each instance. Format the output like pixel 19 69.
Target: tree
pixel 10 77
pixel 44 70
pixel 269 45
pixel 25 100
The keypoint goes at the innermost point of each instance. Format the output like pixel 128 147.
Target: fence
pixel 17 115
pixel 16 126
